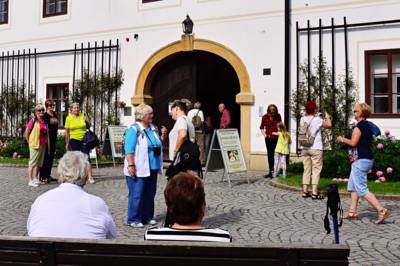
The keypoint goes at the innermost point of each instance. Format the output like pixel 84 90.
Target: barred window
pixel 54 7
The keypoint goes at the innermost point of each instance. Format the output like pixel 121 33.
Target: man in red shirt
pixel 225 121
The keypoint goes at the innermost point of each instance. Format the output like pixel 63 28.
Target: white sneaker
pixel 152 222
pixel 32 184
pixel 91 180
pixel 136 225
pixel 36 181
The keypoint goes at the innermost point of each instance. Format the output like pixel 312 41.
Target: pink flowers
pixel 389 170
pixel 379 146
pixel 382 179
pixel 379 173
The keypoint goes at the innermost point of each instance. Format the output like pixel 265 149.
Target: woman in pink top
pixel 36 136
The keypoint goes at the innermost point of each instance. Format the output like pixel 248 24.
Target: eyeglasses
pixel 40 111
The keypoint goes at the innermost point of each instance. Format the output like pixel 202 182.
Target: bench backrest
pixel 55 251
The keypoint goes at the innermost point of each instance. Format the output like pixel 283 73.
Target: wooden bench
pixel 57 251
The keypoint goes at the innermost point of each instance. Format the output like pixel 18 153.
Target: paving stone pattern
pixel 252 213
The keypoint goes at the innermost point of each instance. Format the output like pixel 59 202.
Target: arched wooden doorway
pixel 189 44
pixel 196 76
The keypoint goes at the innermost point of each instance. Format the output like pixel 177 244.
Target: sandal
pixel 351 215
pixel 306 195
pixel 382 215
pixel 317 196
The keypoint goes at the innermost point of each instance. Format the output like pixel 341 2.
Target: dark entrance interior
pixel 197 76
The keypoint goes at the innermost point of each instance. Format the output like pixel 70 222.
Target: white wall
pixel 254 30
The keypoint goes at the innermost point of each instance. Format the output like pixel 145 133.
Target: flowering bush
pixel 386 165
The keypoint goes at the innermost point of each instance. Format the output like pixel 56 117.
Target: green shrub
pixel 295 167
pixel 15 145
pixel 386 157
pixel 336 163
pixel 21 147
pixel 60 147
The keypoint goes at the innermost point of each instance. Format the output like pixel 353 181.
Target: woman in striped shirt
pixel 186 204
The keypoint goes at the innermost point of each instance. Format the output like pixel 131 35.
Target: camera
pixel 157 151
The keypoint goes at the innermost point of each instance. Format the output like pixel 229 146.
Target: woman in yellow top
pixel 281 149
pixel 75 129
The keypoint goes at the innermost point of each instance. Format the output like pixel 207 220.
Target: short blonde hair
pixel 73 168
pixel 75 104
pixel 142 110
pixel 365 109
pixel 39 107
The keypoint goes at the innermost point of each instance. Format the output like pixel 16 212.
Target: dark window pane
pixel 55 7
pixel 380 85
pixel 3 11
pixel 380 104
pixel 398 104
pixel 61 6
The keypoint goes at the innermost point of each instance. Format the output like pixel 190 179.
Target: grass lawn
pixel 390 188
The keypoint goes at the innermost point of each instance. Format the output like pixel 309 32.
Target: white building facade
pixel 249 37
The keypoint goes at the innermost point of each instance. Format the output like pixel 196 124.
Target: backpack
pixel 333 205
pixel 90 140
pixel 187 158
pixel 306 139
pixel 196 121
pixel 374 128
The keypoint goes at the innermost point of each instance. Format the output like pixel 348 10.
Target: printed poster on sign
pixel 116 135
pixel 231 150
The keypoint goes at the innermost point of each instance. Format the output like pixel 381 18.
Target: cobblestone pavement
pixel 252 213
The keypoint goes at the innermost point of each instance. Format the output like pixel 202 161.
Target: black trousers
pixel 45 170
pixel 271 144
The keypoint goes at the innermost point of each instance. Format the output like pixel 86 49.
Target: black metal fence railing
pixel 18 90
pixel 96 81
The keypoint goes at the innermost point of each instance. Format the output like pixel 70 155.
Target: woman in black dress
pixel 51 120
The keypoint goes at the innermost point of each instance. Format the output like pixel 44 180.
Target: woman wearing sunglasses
pixel 36 136
pixel 51 120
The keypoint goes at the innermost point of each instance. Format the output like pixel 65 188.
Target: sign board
pixel 116 135
pixel 113 141
pixel 226 152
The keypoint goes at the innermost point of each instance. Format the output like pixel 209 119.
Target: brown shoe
pixel 382 215
pixel 351 215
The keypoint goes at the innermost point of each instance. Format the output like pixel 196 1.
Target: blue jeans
pixel 142 192
pixel 358 177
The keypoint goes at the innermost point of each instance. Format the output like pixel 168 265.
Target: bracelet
pixel 131 165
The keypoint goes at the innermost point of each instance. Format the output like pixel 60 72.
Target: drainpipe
pixel 287 64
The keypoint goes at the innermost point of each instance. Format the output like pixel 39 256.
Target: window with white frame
pixel 54 7
pixel 3 11
pixel 383 82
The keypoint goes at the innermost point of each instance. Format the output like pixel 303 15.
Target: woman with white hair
pixel 36 136
pixel 69 211
pixel 75 129
pixel 143 162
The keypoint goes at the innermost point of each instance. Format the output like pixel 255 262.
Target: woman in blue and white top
pixel 143 162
